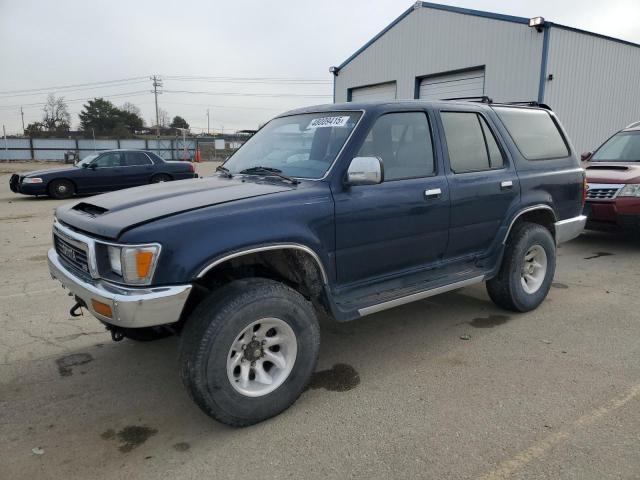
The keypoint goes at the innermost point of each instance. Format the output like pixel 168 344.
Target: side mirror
pixel 365 171
pixel 93 166
pixel 586 156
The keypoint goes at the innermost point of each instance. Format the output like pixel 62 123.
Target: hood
pixel 48 171
pixel 110 214
pixel 613 172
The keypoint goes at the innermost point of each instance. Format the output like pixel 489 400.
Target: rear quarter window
pixel 534 132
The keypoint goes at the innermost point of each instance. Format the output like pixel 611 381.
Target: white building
pixel 437 51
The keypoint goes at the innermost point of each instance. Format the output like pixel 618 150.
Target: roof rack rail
pixel 479 98
pixel 633 125
pixel 529 103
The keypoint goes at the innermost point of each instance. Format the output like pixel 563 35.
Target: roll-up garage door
pixel 382 91
pixel 452 85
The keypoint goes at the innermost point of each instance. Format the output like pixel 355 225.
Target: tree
pixel 106 119
pixel 131 108
pixel 163 117
pixel 56 117
pixel 179 122
pixel 35 129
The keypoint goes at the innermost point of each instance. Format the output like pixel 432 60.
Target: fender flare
pixel 265 248
pixel 532 208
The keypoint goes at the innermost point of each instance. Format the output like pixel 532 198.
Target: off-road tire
pixel 61 189
pixel 505 289
pixel 212 328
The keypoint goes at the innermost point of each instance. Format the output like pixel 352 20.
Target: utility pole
pixel 22 115
pixel 207 121
pixel 157 82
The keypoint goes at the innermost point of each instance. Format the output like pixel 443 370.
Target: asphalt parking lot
pixel 450 387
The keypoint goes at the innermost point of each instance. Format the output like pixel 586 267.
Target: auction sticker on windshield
pixel 324 122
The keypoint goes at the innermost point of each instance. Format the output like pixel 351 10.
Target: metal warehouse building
pixel 437 51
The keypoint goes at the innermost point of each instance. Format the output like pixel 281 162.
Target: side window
pixel 534 132
pixel 403 142
pixel 471 144
pixel 131 159
pixel 108 160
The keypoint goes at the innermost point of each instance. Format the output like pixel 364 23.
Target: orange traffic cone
pixel 197 156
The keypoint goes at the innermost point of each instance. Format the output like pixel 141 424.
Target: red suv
pixel 613 175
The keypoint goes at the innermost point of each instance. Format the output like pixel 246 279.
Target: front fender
pixel 195 240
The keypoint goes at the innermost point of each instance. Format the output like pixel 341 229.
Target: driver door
pixel 105 173
pixel 402 224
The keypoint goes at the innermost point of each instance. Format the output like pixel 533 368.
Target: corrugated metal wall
pixel 596 85
pixel 430 41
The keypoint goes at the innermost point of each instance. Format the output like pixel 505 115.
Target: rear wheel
pixel 160 178
pixel 61 189
pixel 248 350
pixel 527 269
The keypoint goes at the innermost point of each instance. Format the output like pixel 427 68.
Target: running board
pixel 418 296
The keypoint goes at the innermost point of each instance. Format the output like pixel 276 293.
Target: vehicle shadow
pixel 92 395
pixel 618 239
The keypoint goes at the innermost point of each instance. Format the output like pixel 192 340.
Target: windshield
pixel 622 147
pixel 301 146
pixel 87 160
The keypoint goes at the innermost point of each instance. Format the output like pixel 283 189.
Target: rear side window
pixel 132 159
pixel 471 144
pixel 534 132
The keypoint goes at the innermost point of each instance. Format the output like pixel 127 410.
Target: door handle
pixel 432 193
pixel 506 185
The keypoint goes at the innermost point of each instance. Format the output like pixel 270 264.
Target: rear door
pixel 401 224
pixel 482 181
pixel 138 168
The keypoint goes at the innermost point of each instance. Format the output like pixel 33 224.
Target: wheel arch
pixel 542 214
pixel 293 264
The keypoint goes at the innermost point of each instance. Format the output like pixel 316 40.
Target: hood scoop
pixel 608 167
pixel 92 210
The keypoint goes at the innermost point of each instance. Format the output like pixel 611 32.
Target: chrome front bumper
pixel 570 228
pixel 131 307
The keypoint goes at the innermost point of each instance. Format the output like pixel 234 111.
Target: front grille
pixel 602 192
pixel 73 255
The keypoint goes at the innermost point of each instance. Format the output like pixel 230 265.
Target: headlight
pixel 135 264
pixel 631 190
pixel 31 180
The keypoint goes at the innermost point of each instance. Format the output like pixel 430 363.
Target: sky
pixel 245 61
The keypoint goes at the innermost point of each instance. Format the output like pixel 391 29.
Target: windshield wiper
pixel 224 170
pixel 269 171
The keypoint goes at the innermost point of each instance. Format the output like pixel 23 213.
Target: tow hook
pixel 78 306
pixel 116 333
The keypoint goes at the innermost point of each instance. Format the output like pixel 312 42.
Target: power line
pixel 175 77
pixel 60 87
pixel 266 95
pixel 74 100
pixel 112 85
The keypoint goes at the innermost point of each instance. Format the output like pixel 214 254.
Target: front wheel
pixel 527 269
pixel 61 189
pixel 248 351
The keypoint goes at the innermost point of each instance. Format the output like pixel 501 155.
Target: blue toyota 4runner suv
pixel 341 210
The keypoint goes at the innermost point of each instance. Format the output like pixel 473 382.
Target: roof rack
pixel 529 103
pixel 480 98
pixel 633 125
